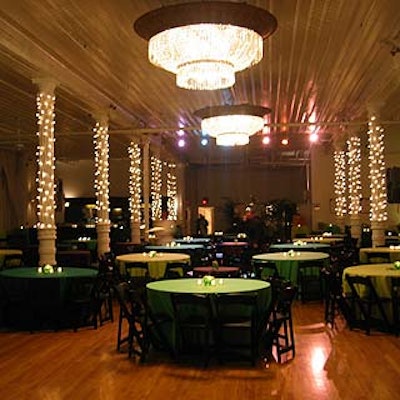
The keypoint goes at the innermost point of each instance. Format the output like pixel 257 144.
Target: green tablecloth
pixel 31 273
pixel 4 252
pixel 40 300
pixel 159 298
pixel 393 252
pixel 304 247
pixel 380 275
pixel 288 265
pixel 157 264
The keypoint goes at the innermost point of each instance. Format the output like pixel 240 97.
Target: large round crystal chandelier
pixel 205 43
pixel 232 125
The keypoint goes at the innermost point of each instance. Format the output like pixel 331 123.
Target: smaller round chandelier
pixel 232 125
pixel 205 43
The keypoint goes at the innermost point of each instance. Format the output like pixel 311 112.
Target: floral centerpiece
pixel 152 253
pixel 291 253
pixel 208 280
pixel 397 264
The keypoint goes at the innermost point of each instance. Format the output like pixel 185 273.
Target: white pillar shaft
pixel 135 191
pixel 45 178
pixel 377 173
pixel 146 187
pixel 101 138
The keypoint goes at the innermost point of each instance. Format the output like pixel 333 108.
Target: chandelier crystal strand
pixel 156 185
pixel 378 197
pixel 340 183
pixel 354 161
pixel 205 56
pixel 101 182
pixel 135 179
pixel 45 159
pixel 172 191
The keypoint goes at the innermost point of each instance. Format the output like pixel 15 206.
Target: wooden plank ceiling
pixel 327 60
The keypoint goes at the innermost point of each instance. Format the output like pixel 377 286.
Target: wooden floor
pixel 329 364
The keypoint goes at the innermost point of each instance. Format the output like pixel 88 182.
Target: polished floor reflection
pixel 329 364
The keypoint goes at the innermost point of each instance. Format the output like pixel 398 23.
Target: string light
pixel 354 161
pixel 378 197
pixel 135 179
pixel 156 184
pixel 101 182
pixel 45 159
pixel 172 192
pixel 340 183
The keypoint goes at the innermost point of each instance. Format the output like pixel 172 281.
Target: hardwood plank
pixel 329 364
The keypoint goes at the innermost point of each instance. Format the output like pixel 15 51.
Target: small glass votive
pixel 213 283
pixel 59 269
pixel 199 281
pixel 220 281
pixel 40 270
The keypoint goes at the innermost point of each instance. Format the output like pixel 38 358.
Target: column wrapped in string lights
pixel 172 192
pixel 45 102
pixel 135 190
pixel 156 185
pixel 354 185
pixel 377 174
pixel 101 183
pixel 339 158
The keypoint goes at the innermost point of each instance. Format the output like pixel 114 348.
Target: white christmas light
pixel 378 197
pixel 135 179
pixel 156 185
pixel 340 183
pixel 101 182
pixel 354 161
pixel 45 159
pixel 172 192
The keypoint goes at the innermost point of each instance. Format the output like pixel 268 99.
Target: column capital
pixel 374 107
pixel 46 85
pixel 101 115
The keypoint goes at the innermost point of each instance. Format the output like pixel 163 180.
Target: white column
pixel 172 191
pixel 377 173
pixel 46 227
pixel 101 183
pixel 354 179
pixel 146 187
pixel 339 158
pixel 156 187
pixel 135 190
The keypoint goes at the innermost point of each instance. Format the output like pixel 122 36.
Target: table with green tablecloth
pixel 393 252
pixel 26 289
pixel 156 261
pixel 288 263
pixel 279 247
pixel 7 252
pixel 380 275
pixel 159 295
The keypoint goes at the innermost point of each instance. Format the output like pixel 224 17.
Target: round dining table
pixel 287 263
pixel 393 252
pixel 157 261
pixel 8 252
pixel 37 299
pixel 381 277
pixel 280 247
pixel 159 296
